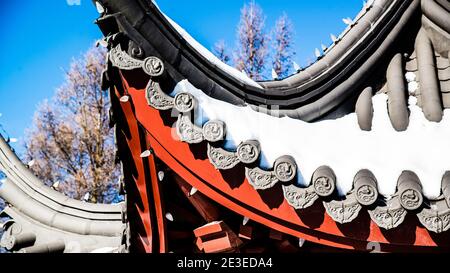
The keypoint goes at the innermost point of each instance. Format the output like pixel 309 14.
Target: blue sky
pixel 40 38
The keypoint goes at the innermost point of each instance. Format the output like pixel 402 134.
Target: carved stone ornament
pixel 411 199
pixel 260 179
pixel 343 211
pixel 153 66
pixel 248 152
pixel 437 218
pixel 222 159
pixel 300 198
pixel 214 131
pixel 324 186
pixel 184 102
pixel 366 195
pixel 122 60
pixel 285 169
pixel 156 98
pixel 187 131
pixel 390 216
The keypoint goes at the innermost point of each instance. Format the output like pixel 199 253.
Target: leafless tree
pixel 283 50
pixel 70 142
pixel 221 52
pixel 251 55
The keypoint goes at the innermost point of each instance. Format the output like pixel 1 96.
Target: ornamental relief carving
pixel 214 131
pixel 434 220
pixel 300 198
pixel 187 131
pixel 184 102
pixel 324 186
pixel 248 152
pixel 156 98
pixel 343 211
pixel 152 66
pixel 366 195
pixel 411 199
pixel 285 169
pixel 122 60
pixel 222 159
pixel 260 179
pixel 388 218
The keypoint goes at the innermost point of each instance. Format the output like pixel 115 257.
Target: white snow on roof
pixel 424 148
pixel 240 76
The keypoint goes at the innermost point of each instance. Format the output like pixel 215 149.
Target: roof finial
pixel 274 75
pixel 297 67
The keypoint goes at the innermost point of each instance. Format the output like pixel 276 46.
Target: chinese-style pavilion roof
pixel 394 52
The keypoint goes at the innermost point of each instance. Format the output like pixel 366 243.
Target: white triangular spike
pixel 103 43
pixel 99 7
pixel 86 197
pixel 324 47
pixel 146 154
pixel 55 185
pixel 193 191
pixel 333 38
pixel 31 163
pixel 274 74
pixel 317 53
pixel 125 99
pixel 301 242
pixel 13 140
pixel 297 67
pixel 169 216
pixel 161 175
pixel 245 221
pixel 348 21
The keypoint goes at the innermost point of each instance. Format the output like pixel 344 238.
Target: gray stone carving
pixel 122 60
pixel 152 66
pixel 184 102
pixel 249 151
pixel 260 179
pixel 300 198
pixel 156 98
pixel 285 168
pixel 366 188
pixel 214 131
pixel 435 220
pixel 445 186
pixel 411 199
pixel 222 159
pixel 343 211
pixel 389 216
pixel 366 195
pixel 409 191
pixel 324 181
pixel 187 131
